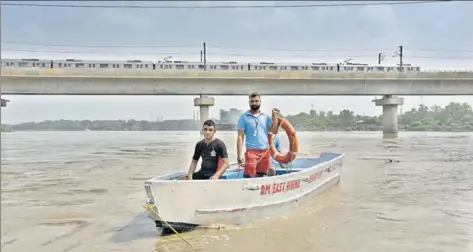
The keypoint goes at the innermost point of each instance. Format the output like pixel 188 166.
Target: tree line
pixel 453 117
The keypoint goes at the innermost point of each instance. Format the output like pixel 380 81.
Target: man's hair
pixel 210 123
pixel 254 94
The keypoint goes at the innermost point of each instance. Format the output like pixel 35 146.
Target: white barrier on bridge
pixel 157 74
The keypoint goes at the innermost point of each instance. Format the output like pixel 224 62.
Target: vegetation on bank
pixel 453 117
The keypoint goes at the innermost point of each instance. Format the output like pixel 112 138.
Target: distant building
pixel 230 116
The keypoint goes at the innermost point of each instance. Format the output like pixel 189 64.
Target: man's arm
pixel 223 154
pixel 240 137
pixel 194 161
pixel 273 123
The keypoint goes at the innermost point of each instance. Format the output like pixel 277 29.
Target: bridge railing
pixel 138 73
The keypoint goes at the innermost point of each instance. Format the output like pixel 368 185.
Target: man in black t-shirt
pixel 214 155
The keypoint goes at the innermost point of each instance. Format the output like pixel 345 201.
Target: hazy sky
pixel 434 36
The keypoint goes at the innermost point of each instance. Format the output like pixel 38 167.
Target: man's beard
pixel 254 107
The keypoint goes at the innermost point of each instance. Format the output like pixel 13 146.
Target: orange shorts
pixel 257 161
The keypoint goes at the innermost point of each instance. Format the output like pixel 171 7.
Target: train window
pixel 179 66
pixel 315 68
pixel 103 65
pixel 127 65
pixel 273 67
pixel 361 69
pixel 80 65
pixel 146 65
pixel 201 67
pixel 59 64
pixel 380 68
pixel 294 68
pixel 224 67
pixel 43 65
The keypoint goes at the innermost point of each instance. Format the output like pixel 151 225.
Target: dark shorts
pixel 202 175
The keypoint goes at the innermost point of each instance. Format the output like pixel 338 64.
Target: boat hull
pixel 234 200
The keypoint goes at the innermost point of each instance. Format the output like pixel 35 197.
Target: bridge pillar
pixel 389 103
pixel 204 102
pixel 4 102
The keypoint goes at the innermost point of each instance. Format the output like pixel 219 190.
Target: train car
pixel 270 66
pixel 178 65
pixel 98 64
pixel 195 66
pixel 379 68
pixel 27 63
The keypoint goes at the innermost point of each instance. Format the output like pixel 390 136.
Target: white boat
pixel 235 200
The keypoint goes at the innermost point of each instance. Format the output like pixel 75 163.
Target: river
pixel 82 191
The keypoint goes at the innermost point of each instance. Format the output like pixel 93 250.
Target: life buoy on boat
pixel 293 143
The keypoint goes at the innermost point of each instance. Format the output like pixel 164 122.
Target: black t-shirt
pixel 211 154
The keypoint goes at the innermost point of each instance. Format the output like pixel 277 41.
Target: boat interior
pixel 299 164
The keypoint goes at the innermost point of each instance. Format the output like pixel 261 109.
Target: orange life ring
pixel 293 143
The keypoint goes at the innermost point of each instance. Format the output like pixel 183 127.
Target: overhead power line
pixel 215 6
pixel 268 49
pixel 228 54
pixel 98 46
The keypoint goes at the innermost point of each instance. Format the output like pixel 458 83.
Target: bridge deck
pixel 180 74
pixel 136 82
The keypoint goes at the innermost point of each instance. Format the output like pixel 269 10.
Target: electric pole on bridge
pixel 400 57
pixel 205 56
pixel 380 58
pixel 400 53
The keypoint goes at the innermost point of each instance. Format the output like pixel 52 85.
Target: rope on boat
pixel 150 208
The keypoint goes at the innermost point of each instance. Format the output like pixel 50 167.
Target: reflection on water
pixel 82 191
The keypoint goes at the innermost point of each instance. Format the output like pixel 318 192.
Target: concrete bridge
pixel 37 81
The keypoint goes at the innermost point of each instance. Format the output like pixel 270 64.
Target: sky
pixel 435 36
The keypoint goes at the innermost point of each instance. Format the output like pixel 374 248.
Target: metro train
pixel 199 66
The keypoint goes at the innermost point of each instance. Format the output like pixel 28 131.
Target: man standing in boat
pixel 253 127
pixel 213 152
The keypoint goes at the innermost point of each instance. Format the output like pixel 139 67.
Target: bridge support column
pixel 204 102
pixel 389 103
pixel 4 102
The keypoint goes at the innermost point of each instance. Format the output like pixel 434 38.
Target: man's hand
pixel 214 177
pixel 189 177
pixel 241 162
pixel 275 112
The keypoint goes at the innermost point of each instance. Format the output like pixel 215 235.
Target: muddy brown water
pixel 82 191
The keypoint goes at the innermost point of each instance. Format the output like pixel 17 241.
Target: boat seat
pixel 239 174
pixel 282 171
